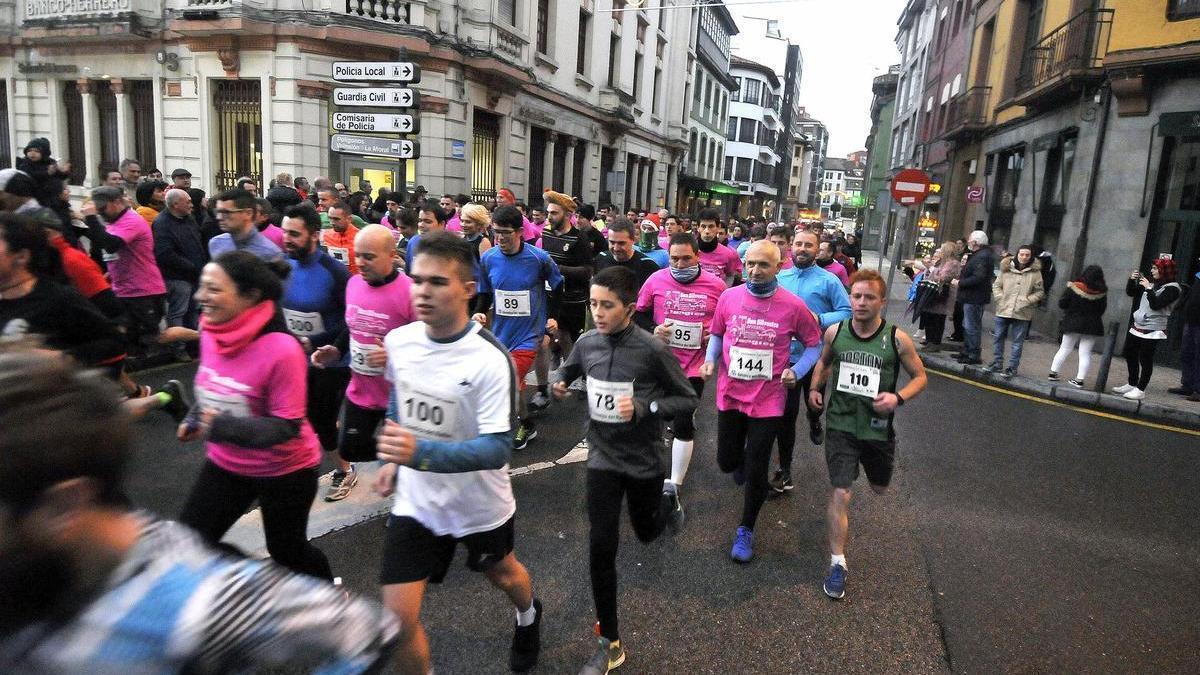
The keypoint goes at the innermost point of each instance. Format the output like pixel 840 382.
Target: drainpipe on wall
pixel 1097 155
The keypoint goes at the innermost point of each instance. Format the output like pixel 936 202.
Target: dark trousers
pixel 220 497
pixel 935 327
pixel 605 490
pixel 326 391
pixel 744 443
pixel 786 438
pixel 958 322
pixel 1190 355
pixel 1139 359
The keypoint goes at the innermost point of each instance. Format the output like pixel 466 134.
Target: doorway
pixel 382 173
pixel 1175 224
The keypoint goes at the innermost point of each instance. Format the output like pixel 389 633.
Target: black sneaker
pixel 179 406
pixel 816 433
pixel 781 482
pixel 671 510
pixel 525 433
pixel 526 643
pixel 1180 391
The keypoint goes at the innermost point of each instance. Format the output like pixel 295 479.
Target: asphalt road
pixel 1018 537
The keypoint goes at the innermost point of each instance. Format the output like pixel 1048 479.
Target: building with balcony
pixel 818 137
pixel 914 30
pixel 228 88
pixel 841 188
pixel 877 181
pixel 803 156
pixel 706 110
pixel 1087 122
pixel 751 150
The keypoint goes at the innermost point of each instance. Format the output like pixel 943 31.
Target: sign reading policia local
pixel 387 72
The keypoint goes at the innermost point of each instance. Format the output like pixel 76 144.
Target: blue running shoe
pixel 835 583
pixel 743 545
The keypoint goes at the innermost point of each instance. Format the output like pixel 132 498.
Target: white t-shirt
pixel 452 391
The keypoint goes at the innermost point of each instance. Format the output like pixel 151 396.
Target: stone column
pixel 548 164
pixel 125 145
pixel 91 134
pixel 569 164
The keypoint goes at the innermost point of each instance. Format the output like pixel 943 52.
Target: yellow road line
pixel 1068 406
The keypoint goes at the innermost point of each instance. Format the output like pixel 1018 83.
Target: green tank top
pixel 862 368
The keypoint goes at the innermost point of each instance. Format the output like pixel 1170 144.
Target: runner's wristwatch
pixel 899 400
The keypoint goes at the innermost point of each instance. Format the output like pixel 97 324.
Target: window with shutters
pixel 238 107
pixel 75 154
pixel 543 26
pixel 585 21
pixel 508 12
pixel 106 109
pixel 141 99
pixel 751 93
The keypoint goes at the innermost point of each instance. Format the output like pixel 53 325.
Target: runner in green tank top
pixel 862 359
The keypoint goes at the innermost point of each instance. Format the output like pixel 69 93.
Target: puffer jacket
pixel 1018 291
pixel 1083 310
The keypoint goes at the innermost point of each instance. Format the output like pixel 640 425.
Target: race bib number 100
pixel 751 364
pixel 428 413
pixel 602 399
pixel 857 379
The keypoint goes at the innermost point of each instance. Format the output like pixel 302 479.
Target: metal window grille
pixel 73 107
pixel 141 98
pixel 106 107
pixel 486 135
pixel 543 26
pixel 6 159
pixel 238 105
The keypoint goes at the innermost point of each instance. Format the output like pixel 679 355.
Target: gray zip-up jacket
pixel 660 390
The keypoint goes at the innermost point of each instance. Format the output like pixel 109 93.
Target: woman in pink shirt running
pixel 250 406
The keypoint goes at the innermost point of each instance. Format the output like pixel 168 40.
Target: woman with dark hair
pixel 1083 303
pixel 150 195
pixel 361 206
pixel 1153 299
pixel 251 393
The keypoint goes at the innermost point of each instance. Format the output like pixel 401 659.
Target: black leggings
pixel 745 442
pixel 604 492
pixel 935 327
pixel 684 425
pixel 220 497
pixel 786 438
pixel 1139 358
pixel 326 391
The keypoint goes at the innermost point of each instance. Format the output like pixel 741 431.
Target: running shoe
pixel 526 643
pixel 539 402
pixel 672 509
pixel 781 482
pixel 525 433
pixel 835 583
pixel 1077 383
pixel 606 659
pixel 341 485
pixel 816 433
pixel 743 545
pixel 1053 376
pixel 179 405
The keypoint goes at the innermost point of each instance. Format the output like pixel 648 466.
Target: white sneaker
pixel 1123 389
pixel 1134 394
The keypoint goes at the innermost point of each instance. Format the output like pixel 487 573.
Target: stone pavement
pixel 1039 350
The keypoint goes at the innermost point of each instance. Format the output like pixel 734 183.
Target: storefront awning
pixel 698 184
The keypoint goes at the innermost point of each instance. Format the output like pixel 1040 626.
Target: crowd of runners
pixel 427 338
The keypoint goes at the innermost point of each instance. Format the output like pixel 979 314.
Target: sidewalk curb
pixel 1065 393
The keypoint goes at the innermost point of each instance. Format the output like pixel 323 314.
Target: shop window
pixel 238 107
pixel 484 138
pixel 73 107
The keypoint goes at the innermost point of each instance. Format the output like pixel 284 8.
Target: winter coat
pixel 1017 291
pixel 975 282
pixel 944 272
pixel 1191 306
pixel 1152 307
pixel 1083 310
pixel 41 170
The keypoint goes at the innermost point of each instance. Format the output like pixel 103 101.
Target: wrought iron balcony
pixel 1072 53
pixel 970 112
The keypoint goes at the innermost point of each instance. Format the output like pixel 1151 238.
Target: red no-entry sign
pixel 910 187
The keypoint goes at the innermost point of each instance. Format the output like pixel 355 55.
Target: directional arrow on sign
pixel 376 71
pixel 375 146
pixel 382 97
pixel 376 122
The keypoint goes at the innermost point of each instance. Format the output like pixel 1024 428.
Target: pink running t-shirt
pixel 268 377
pixel 371 313
pixel 133 271
pixel 756 336
pixel 689 307
pixel 721 262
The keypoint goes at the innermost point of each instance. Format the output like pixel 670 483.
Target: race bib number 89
pixel 751 364
pixel 512 303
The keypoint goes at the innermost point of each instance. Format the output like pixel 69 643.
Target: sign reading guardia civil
pixel 49 9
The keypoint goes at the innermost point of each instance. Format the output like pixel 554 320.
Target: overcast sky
pixel 845 44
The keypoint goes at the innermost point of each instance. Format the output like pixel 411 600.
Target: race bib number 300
pixel 857 379
pixel 686 334
pixel 602 399
pixel 512 303
pixel 304 324
pixel 428 413
pixel 751 364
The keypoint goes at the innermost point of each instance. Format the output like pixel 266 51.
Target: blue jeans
pixel 181 310
pixel 972 329
pixel 1004 328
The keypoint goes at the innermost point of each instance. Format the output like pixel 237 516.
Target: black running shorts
pixel 844 452
pixel 356 431
pixel 412 552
